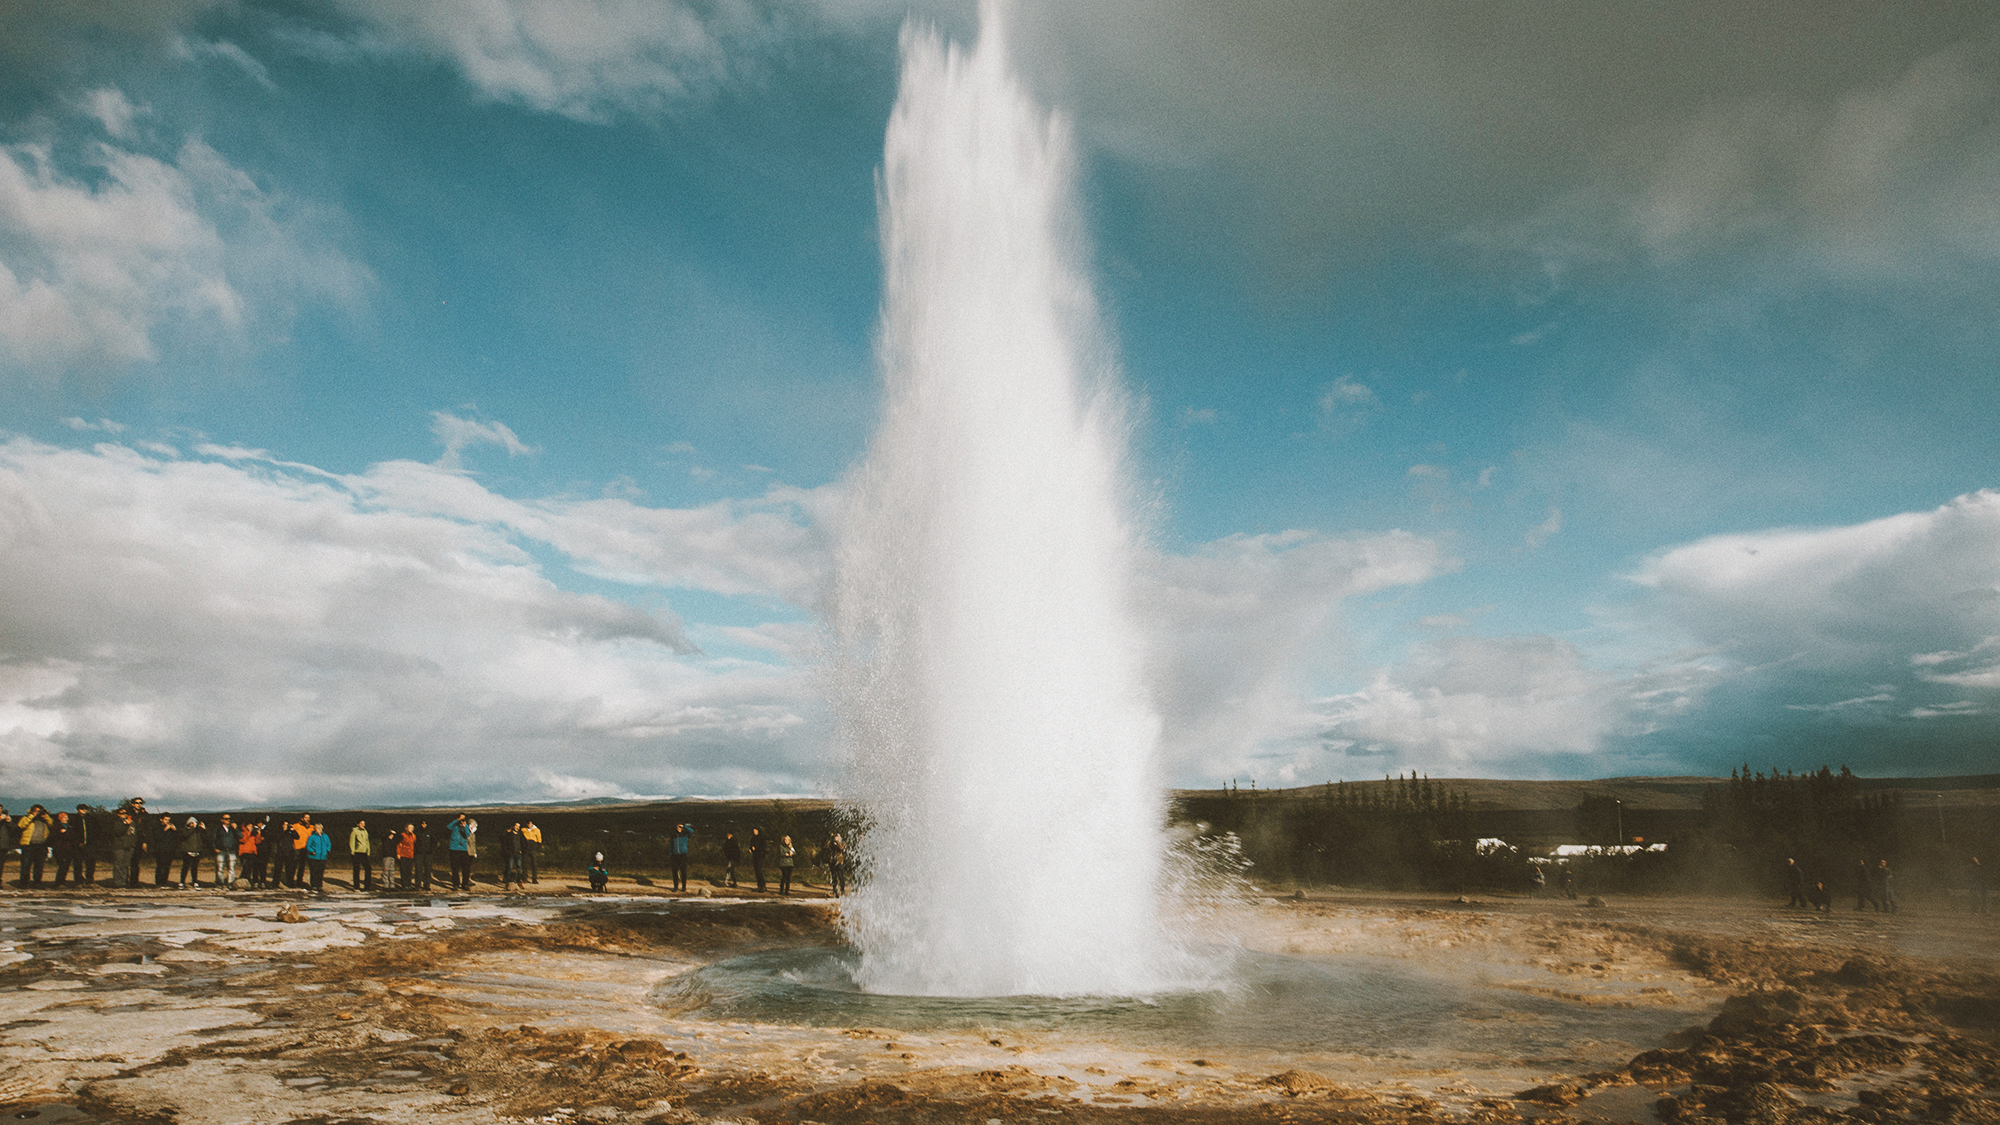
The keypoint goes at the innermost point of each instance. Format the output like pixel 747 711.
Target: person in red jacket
pixel 406 857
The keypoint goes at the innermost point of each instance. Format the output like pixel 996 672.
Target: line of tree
pixel 1398 832
pixel 1411 832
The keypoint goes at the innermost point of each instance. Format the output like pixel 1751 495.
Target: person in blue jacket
pixel 678 849
pixel 319 845
pixel 459 845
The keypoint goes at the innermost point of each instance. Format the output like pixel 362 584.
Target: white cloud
pixel 110 107
pixel 1915 588
pixel 456 434
pixel 1901 613
pixel 581 60
pixel 1466 700
pixel 223 630
pixel 100 264
pixel 1345 405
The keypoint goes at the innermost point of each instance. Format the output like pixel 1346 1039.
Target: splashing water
pixel 989 684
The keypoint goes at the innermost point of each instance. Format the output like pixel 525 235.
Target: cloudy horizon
pixel 450 404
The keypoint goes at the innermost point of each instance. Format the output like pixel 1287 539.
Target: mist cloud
pixel 1241 627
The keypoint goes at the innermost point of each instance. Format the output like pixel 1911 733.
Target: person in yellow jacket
pixel 531 851
pixel 361 850
pixel 302 831
pixel 32 834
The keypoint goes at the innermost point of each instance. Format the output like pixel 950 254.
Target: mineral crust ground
pixel 196 1008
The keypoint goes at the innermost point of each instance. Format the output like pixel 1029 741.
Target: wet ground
pixel 197 1007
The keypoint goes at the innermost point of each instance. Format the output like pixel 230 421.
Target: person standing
pixel 303 830
pixel 836 864
pixel 788 856
pixel 426 848
pixel 165 842
pixel 318 847
pixel 31 836
pixel 459 845
pixel 677 854
pixel 600 875
pixel 63 848
pixel 406 858
pixel 86 847
pixel 274 849
pixel 223 843
pixel 250 853
pixel 531 851
pixel 360 854
pixel 124 848
pixel 1796 876
pixel 194 841
pixel 732 854
pixel 142 824
pixel 757 856
pixel 1885 888
pixel 1864 889
pixel 510 857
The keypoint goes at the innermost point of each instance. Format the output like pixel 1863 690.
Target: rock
pixel 1594 901
pixel 1295 1083
pixel 290 912
pixel 458 1089
pixel 1555 1093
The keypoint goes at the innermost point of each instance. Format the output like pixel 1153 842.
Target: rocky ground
pixel 200 1007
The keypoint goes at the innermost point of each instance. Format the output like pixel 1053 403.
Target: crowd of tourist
pixel 274 851
pixel 259 853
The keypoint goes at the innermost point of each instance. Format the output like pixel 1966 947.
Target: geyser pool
pixel 1275 1005
pixel 988 681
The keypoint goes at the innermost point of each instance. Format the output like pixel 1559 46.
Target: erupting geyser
pixel 989 681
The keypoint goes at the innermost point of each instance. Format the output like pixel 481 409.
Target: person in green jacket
pixel 360 849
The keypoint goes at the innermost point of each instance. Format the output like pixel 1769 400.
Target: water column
pixel 988 678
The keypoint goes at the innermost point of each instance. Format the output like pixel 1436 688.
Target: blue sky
pixel 448 400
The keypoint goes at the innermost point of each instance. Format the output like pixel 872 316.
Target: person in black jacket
pixel 426 848
pixel 757 855
pixel 162 842
pixel 86 847
pixel 64 847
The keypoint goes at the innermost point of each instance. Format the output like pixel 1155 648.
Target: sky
pixel 449 402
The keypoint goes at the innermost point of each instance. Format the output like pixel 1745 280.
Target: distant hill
pixel 1650 793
